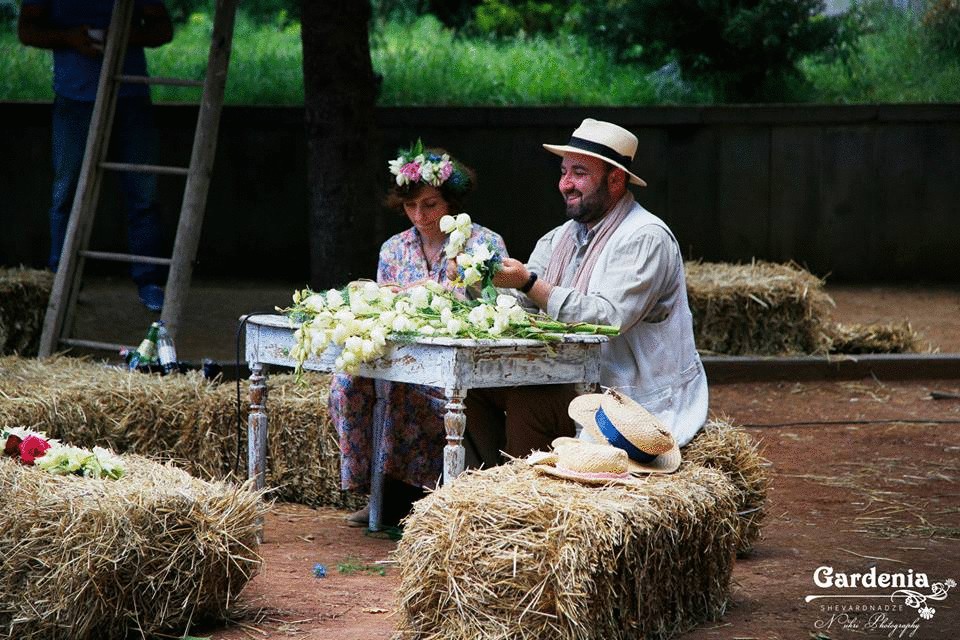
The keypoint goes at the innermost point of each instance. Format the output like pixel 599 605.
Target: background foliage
pixel 571 52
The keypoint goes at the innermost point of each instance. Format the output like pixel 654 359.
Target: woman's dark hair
pixel 454 190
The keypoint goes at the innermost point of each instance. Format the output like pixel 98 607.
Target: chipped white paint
pixel 454 364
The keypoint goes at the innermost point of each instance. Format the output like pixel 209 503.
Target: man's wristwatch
pixel 529 283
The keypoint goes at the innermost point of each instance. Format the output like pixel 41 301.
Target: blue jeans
pixel 134 140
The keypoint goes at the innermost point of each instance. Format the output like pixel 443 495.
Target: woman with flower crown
pixel 426 184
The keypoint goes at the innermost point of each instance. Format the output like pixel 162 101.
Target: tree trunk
pixel 339 95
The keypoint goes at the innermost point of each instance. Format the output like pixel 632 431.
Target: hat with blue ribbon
pixel 616 419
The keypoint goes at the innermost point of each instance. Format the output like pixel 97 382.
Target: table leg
pixel 257 432
pixel 379 459
pixel 455 423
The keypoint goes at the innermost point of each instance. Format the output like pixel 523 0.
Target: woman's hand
pixel 452 270
pixel 513 274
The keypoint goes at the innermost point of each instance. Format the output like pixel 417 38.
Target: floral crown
pixel 415 165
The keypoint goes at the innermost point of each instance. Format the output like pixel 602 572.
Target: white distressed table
pixel 452 364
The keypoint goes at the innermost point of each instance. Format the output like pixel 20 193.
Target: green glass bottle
pixel 146 353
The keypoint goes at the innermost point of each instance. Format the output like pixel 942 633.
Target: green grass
pixel 894 62
pixel 422 63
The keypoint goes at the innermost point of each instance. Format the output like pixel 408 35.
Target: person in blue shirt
pixel 75 30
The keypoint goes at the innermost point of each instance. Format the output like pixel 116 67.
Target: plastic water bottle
pixel 168 352
pixel 146 353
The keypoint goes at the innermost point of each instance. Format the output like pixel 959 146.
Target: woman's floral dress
pixel 414 436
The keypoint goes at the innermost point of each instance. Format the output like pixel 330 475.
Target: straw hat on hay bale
pixel 510 552
pixel 151 552
pixel 616 419
pixel 584 462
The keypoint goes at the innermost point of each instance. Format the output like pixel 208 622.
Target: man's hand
pixel 79 39
pixel 513 274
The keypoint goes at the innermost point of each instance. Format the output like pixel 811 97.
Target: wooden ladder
pixel 58 321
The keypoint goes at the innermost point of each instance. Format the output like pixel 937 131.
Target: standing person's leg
pixel 137 142
pixel 71 122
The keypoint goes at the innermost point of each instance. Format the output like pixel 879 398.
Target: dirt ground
pixel 864 474
pixel 869 479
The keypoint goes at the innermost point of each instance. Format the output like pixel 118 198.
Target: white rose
pixel 379 336
pixel 457 239
pixel 314 303
pixel 447 223
pixel 395 166
pixel 478 317
pixel 481 253
pixel 463 220
pixel 427 330
pixel 386 296
pixel 353 343
pixel 471 276
pixel 517 315
pixel 339 334
pixel 369 350
pixel 344 315
pixel 453 326
pixel 419 297
pixel 505 301
pixel 360 306
pixel 401 323
pixel 446 315
pixel 319 341
pixel 440 303
pixel 334 299
pixel 386 318
pixel 371 291
pixel 465 260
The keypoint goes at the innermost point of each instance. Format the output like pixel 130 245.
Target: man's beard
pixel 591 208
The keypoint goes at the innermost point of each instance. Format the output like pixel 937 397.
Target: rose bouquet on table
pixel 36 449
pixel 362 316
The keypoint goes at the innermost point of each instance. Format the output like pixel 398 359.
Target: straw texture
pixel 729 449
pixel 101 559
pixel 761 308
pixel 857 338
pixel 185 418
pixel 508 553
pixel 23 302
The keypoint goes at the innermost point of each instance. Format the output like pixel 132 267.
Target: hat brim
pixel 563 149
pixel 583 409
pixel 583 478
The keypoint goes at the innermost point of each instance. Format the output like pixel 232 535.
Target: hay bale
pixel 184 418
pixel 23 303
pixel 855 338
pixel 507 553
pixel 101 559
pixel 731 451
pixel 303 447
pixel 761 308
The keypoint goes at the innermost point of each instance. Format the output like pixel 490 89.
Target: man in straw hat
pixel 613 262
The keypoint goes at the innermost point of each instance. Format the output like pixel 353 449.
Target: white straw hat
pixel 613 418
pixel 584 462
pixel 605 140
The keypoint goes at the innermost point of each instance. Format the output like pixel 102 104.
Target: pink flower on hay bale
pixel 31 448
